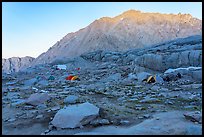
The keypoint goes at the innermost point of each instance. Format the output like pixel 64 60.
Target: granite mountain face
pixel 132 29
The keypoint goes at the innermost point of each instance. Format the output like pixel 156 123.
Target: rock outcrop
pixel 159 125
pixel 178 53
pixel 15 64
pixel 182 52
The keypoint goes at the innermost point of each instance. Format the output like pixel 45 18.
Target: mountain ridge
pixel 129 30
pixel 123 32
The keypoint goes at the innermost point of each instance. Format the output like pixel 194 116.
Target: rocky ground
pixel 110 97
pixel 123 102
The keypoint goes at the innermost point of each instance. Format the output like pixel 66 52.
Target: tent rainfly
pixel 60 67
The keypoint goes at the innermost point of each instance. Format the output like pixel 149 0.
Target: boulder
pixel 37 98
pixel 155 88
pixel 30 82
pixel 75 115
pixel 194 116
pixel 43 82
pixel 142 76
pixel 132 76
pixel 71 99
pixel 159 79
pixel 98 122
pixel 113 77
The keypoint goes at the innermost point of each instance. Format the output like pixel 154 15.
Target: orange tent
pixel 69 77
pixel 74 78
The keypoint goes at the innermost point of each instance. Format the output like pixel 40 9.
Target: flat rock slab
pixel 75 115
pixel 37 98
pixel 30 82
pixel 167 123
pixel 43 82
pixel 194 116
pixel 32 129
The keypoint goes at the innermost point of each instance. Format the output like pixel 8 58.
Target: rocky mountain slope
pixel 182 52
pixel 112 95
pixel 15 64
pixel 131 29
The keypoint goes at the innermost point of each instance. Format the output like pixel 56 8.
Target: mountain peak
pixel 131 29
pixel 131 12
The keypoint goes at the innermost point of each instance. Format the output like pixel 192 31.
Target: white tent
pixel 62 67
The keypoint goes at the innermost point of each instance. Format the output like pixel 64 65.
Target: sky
pixel 31 28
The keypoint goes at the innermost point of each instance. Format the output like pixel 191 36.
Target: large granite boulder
pixel 75 115
pixel 37 98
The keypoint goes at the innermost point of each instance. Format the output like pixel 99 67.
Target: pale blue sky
pixel 30 28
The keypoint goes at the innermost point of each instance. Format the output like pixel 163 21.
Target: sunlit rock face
pixel 131 29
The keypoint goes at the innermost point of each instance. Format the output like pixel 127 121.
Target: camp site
pixel 102 68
